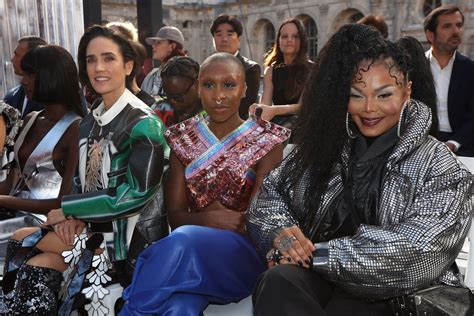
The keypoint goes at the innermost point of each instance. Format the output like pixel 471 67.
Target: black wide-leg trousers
pixel 294 290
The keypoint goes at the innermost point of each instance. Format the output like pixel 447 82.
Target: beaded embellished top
pixel 222 169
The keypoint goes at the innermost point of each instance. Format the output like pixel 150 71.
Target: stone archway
pixel 311 33
pixel 263 34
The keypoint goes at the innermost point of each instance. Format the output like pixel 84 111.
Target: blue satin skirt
pixel 192 267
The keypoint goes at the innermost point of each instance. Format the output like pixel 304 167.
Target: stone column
pixel 323 35
pixel 58 22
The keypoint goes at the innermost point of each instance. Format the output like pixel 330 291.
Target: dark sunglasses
pixel 179 97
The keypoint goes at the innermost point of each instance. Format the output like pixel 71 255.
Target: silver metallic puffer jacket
pixel 423 217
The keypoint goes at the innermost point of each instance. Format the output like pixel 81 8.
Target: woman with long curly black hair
pixel 367 207
pixel 423 86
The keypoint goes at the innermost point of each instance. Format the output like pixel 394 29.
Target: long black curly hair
pixel 423 87
pixel 321 134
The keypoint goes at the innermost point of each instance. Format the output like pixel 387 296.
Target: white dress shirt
pixel 442 78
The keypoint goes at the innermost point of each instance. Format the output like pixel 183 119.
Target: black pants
pixel 294 290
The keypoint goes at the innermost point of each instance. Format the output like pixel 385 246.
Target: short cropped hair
pixel 227 19
pixel 32 41
pixel 431 21
pixel 225 58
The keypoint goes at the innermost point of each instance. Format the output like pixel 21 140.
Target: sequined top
pixel 424 213
pixel 222 169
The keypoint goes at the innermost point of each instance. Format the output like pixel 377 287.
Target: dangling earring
pixel 349 132
pixel 400 119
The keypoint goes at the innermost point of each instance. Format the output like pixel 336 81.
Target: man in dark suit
pixel 454 78
pixel 226 31
pixel 16 96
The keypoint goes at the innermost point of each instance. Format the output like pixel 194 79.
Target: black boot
pixel 9 273
pixel 35 292
pixel 15 256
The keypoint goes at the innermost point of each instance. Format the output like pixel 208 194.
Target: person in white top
pixel 454 78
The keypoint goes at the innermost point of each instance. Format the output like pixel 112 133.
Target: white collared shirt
pixel 441 77
pixel 23 107
pixel 104 117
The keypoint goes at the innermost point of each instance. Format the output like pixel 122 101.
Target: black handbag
pixel 439 300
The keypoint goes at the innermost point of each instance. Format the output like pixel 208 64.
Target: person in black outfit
pixel 287 68
pixel 226 31
pixel 454 77
pixel 179 91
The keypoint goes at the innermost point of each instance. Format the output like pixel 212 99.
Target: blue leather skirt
pixel 192 267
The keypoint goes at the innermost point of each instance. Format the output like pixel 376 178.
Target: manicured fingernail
pixel 307 261
pixel 300 263
pixel 289 259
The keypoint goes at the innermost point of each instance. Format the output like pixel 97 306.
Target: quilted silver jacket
pixel 423 217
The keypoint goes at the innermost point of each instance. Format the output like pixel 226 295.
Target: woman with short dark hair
pixel 46 151
pixel 120 166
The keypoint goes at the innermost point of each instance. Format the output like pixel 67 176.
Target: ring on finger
pixel 275 256
pixel 286 242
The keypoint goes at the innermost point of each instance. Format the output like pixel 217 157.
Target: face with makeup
pixel 377 95
pixel 221 87
pixel 106 68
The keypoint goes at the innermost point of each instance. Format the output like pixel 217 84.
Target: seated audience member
pixel 168 42
pixel 422 83
pixel 287 68
pixel 376 21
pixel 45 152
pixel 454 78
pixel 226 31
pixel 373 209
pixel 128 30
pixel 16 97
pixel 179 91
pixel 120 167
pixel 217 164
